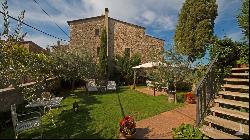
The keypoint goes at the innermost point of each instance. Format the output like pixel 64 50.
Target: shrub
pixel 187 131
pixel 183 86
pixel 180 97
pixel 190 97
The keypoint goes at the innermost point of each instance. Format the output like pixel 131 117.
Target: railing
pixel 206 90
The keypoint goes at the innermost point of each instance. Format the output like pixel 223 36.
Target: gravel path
pixel 160 126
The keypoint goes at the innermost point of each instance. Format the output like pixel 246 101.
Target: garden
pixel 98 115
pixel 84 114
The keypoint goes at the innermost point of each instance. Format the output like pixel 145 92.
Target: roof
pixel 102 16
pixel 85 19
pixel 155 37
pixel 32 45
pixel 127 23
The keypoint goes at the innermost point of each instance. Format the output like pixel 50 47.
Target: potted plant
pixel 190 97
pixel 127 127
pixel 187 131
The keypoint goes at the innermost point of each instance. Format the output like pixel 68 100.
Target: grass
pixel 98 115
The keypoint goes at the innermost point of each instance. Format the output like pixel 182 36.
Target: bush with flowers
pixel 127 126
pixel 190 97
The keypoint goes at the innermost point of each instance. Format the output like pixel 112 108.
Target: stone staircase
pixel 228 118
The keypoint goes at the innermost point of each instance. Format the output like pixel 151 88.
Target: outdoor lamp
pixel 75 106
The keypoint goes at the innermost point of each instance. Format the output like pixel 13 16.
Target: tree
pixel 17 63
pixel 195 28
pixel 176 69
pixel 123 66
pixel 103 63
pixel 243 18
pixel 74 63
pixel 243 21
pixel 12 57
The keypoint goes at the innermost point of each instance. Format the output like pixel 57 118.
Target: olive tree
pixel 73 63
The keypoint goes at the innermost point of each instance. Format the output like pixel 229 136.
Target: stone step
pixel 236 80
pixel 216 134
pixel 235 94
pixel 229 112
pixel 235 86
pixel 246 68
pixel 228 124
pixel 240 74
pixel 232 102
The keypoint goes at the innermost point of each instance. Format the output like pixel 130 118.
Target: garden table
pixel 46 103
pixel 101 89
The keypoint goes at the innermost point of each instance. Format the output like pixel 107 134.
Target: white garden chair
pixel 111 85
pixel 91 85
pixel 22 125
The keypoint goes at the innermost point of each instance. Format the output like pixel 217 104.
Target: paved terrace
pixel 160 126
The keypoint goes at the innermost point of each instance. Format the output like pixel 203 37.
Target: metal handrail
pixel 199 112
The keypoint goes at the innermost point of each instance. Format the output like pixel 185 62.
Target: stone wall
pixel 152 49
pixel 32 47
pixel 9 96
pixel 125 35
pixel 82 34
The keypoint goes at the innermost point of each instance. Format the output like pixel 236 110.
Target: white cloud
pixel 148 17
pixel 159 15
pixel 236 35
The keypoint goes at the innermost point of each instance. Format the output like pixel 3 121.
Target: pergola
pixel 147 65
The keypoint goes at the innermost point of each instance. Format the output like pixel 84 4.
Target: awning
pixel 149 65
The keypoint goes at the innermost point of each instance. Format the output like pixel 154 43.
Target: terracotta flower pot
pixel 124 136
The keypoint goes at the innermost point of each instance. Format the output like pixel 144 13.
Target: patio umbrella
pixel 150 65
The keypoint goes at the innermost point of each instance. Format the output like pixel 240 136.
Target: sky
pixel 160 17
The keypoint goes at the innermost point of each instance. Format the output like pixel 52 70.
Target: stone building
pixel 32 47
pixel 121 37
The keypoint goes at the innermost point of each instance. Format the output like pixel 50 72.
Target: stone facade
pixel 32 47
pixel 82 33
pixel 121 35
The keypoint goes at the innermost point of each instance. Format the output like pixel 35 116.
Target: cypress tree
pixel 103 65
pixel 243 18
pixel 195 28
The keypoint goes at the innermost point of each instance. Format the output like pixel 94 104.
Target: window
pixel 98 51
pixel 127 52
pixel 96 32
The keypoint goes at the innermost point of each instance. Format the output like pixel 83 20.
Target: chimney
pixel 106 10
pixel 58 43
pixel 106 19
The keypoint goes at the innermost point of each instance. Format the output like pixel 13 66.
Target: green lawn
pixel 99 114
